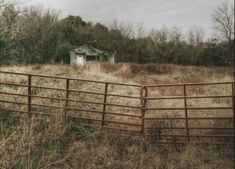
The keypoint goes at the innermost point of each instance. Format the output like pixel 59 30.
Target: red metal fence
pixel 140 110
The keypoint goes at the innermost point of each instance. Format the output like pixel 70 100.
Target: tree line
pixel 35 35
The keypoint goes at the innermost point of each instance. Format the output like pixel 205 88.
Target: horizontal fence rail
pixel 128 108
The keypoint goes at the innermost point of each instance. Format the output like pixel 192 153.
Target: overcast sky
pixel 151 13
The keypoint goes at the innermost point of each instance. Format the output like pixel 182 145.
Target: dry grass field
pixel 43 142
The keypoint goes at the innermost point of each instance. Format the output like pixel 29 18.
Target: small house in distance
pixel 86 54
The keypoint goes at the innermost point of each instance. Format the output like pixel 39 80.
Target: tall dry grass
pixel 51 143
pixel 125 72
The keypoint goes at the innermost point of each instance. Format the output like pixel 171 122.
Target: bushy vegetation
pixel 36 36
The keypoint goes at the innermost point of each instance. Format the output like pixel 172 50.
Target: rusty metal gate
pixel 170 113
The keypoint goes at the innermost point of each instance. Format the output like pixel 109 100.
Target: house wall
pixel 111 59
pixel 77 59
pixel 80 59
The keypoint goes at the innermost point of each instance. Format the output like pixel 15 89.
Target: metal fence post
pixel 104 103
pixel 66 100
pixel 29 94
pixel 186 113
pixel 233 100
pixel 143 100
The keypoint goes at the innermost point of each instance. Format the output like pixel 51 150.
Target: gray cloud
pixel 151 13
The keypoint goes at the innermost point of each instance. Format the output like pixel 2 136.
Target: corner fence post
pixel 143 101
pixel 186 113
pixel 29 94
pixel 66 100
pixel 104 103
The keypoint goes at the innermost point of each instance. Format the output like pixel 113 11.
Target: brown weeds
pixel 51 143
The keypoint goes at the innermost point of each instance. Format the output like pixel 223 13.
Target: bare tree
pixel 160 36
pixel 9 13
pixel 175 35
pixel 126 29
pixel 223 19
pixel 224 22
pixel 195 35
pixel 140 31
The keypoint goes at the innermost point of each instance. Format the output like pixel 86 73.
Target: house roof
pixel 88 50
